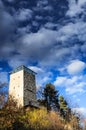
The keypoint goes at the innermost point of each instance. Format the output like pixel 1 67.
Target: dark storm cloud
pixel 7 28
pixel 24 14
pixel 41 31
pixel 47 10
pixel 45 34
pixel 21 16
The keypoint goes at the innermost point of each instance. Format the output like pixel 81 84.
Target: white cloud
pixel 1 5
pixel 36 69
pixel 48 8
pixel 81 110
pixel 83 49
pixel 7 24
pixel 42 3
pixel 24 14
pixel 17 61
pixel 72 85
pixel 37 45
pixel 43 38
pixel 74 82
pixel 57 55
pixel 60 81
pixel 68 31
pixel 3 77
pixel 47 44
pixel 44 78
pixel 75 67
pixel 43 75
pixel 78 88
pixel 10 0
pixel 50 25
pixel 75 8
pixel 0 69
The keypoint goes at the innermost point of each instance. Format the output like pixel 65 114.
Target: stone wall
pixel 22 87
pixel 29 88
pixel 16 87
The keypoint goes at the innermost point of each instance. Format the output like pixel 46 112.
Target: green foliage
pixel 38 119
pixel 63 103
pixel 50 97
pixel 52 101
pixel 8 114
pixel 63 106
pixel 14 118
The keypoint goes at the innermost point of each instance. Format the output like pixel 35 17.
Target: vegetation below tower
pixel 54 113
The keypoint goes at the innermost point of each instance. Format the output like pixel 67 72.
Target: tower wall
pixel 22 86
pixel 29 88
pixel 16 88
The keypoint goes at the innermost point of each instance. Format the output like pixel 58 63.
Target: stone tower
pixel 22 86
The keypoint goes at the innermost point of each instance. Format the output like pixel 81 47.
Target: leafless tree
pixel 3 93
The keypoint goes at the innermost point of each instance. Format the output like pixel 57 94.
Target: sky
pixel 49 37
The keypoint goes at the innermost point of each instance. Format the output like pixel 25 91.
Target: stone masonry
pixel 22 86
pixel 29 88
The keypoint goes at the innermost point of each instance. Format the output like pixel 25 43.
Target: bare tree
pixel 3 94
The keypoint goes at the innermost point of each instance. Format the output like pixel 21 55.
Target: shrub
pixel 8 114
pixel 40 119
pixel 37 119
pixel 14 118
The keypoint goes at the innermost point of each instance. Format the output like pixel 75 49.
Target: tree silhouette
pixel 51 97
pixel 63 106
pixel 3 94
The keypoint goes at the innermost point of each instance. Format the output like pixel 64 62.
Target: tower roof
pixel 22 67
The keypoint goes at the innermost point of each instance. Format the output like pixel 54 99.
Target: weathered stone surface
pixel 29 88
pixel 16 86
pixel 22 86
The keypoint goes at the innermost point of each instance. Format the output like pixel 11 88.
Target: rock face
pixel 22 86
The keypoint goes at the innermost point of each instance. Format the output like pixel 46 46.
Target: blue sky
pixel 49 37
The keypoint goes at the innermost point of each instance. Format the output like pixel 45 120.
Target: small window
pixel 14 87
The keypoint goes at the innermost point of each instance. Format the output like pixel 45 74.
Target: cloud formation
pixel 24 14
pixel 72 85
pixel 76 8
pixel 80 110
pixel 42 77
pixel 3 77
pixel 76 67
pixel 71 77
pixel 45 35
pixel 33 32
